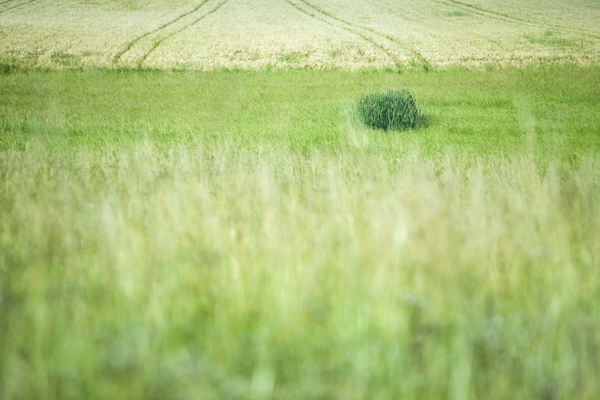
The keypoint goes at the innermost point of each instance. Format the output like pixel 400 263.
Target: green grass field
pixel 237 235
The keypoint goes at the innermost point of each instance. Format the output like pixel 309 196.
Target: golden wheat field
pixel 314 34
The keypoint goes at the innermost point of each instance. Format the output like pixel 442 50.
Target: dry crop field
pixel 282 34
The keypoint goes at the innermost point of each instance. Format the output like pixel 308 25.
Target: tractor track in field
pixel 414 53
pixel 515 20
pixel 13 7
pixel 159 42
pixel 353 31
pixel 415 17
pixel 118 56
pixel 324 16
pixel 410 15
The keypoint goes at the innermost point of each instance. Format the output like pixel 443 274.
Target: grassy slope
pixel 476 113
pixel 235 235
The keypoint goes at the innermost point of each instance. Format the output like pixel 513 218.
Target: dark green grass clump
pixel 390 110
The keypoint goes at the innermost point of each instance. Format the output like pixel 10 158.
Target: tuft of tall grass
pixel 389 110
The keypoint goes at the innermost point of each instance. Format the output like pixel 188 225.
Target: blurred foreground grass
pixel 236 235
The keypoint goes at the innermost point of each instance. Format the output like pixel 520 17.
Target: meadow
pixel 190 209
pixel 237 235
